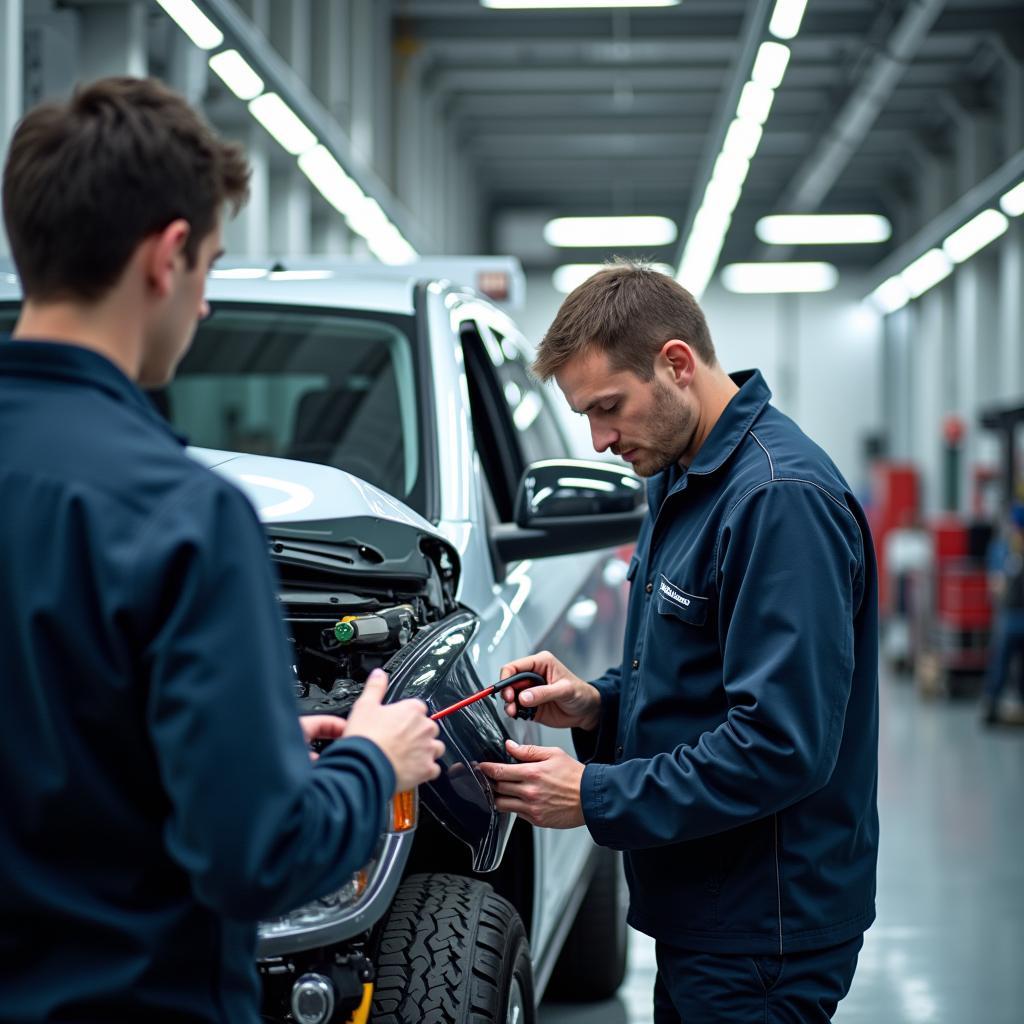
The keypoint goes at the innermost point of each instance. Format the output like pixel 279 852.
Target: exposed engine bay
pixel 339 638
pixel 343 626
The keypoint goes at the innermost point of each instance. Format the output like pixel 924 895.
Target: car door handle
pixel 582 614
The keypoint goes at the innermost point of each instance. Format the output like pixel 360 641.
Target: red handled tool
pixel 520 681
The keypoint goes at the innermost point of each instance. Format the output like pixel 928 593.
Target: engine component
pixel 388 626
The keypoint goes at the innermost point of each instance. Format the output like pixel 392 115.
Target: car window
pixel 313 385
pixel 536 425
pixel 497 443
pixel 532 416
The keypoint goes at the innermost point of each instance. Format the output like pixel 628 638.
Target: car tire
pixel 450 951
pixel 592 964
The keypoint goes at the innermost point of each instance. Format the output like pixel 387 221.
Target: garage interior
pixel 469 127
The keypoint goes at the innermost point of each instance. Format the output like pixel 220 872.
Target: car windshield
pixel 319 386
pixel 325 386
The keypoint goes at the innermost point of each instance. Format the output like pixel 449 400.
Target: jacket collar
pixel 735 422
pixel 732 426
pixel 60 361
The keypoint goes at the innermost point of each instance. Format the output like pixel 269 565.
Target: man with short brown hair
pixel 733 753
pixel 158 797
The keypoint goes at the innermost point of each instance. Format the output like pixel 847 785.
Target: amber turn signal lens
pixel 403 811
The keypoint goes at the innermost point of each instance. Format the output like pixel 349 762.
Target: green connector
pixel 344 632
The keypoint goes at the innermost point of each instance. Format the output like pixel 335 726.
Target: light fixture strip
pixel 549 5
pixel 786 18
pixel 237 74
pixel 777 278
pixel 286 127
pixel 973 236
pixel 602 232
pixel 1012 202
pixel 823 229
pixel 742 138
pixel 364 215
pixel 193 22
pixel 926 272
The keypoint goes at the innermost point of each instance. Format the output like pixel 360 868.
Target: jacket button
pixel 649 588
pixel 618 751
pixel 636 663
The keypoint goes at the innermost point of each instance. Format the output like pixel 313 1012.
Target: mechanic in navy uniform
pixel 733 755
pixel 158 794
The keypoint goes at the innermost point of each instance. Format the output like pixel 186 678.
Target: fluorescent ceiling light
pixel 237 74
pixel 301 275
pixel 770 64
pixel 698 264
pixel 730 168
pixel 367 218
pixel 1013 201
pixel 570 276
pixel 722 195
pixel 240 273
pixel 390 246
pixel 191 20
pixel 986 227
pixel 282 122
pixel 772 278
pixel 608 232
pixel 330 180
pixel 742 139
pixel 926 272
pixel 891 295
pixel 755 102
pixel 823 229
pixel 786 18
pixel 545 5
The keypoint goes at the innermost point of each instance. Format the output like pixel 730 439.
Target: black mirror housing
pixel 564 506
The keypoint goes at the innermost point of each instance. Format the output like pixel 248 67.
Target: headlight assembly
pixel 342 912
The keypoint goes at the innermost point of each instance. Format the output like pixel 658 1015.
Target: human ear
pixel 681 361
pixel 164 249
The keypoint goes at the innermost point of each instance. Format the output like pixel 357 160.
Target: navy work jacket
pixel 156 796
pixel 736 757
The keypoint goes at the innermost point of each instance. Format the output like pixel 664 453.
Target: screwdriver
pixel 520 681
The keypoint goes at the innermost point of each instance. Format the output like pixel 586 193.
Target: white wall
pixel 820 355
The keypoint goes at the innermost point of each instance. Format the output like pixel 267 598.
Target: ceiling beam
pixel 848 129
pixel 984 194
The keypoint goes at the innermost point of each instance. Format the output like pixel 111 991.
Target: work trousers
pixel 725 988
pixel 1007 640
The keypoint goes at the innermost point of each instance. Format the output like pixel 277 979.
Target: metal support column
pixel 11 71
pixel 113 39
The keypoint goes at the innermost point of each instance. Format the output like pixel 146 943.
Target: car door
pixel 572 605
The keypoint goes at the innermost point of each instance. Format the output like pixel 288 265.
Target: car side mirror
pixel 564 506
pixel 550 492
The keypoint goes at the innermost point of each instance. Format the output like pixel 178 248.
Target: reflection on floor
pixel 948 944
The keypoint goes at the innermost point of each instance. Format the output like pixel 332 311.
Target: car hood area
pixel 329 514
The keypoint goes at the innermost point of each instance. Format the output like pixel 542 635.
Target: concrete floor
pixel 948 945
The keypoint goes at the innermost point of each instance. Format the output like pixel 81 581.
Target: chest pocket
pixel 677 603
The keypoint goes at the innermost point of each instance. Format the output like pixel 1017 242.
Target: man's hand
pixel 566 702
pixel 321 727
pixel 402 730
pixel 544 789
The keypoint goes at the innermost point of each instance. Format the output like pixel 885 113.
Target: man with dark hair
pixel 733 753
pixel 158 793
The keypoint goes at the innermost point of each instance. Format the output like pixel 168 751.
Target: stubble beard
pixel 672 425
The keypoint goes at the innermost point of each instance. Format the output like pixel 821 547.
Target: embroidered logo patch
pixel 672 594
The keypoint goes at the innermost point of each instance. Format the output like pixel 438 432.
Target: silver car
pixel 424 516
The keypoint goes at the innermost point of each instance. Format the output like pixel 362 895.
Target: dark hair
pixel 87 180
pixel 628 311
